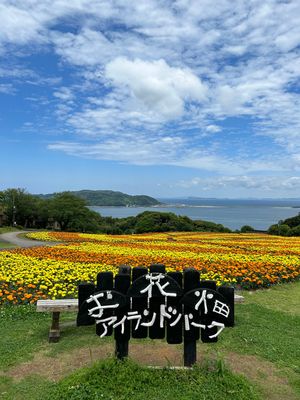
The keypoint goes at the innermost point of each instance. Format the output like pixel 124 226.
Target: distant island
pixel 106 198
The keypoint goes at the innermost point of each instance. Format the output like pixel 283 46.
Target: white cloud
pixel 18 25
pixel 64 93
pixel 142 149
pixel 157 72
pixel 88 48
pixel 158 86
pixel 213 128
pixel 289 40
pixel 267 184
pixel 133 150
pixel 7 88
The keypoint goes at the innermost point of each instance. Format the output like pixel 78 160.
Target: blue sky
pixel 165 98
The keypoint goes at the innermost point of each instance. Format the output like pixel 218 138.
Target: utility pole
pixel 13 211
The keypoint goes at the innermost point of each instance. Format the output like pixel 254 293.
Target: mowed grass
pixel 265 339
pixel 6 245
pixel 127 380
pixel 5 229
pixel 283 298
pixel 113 379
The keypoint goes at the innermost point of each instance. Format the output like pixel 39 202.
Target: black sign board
pixel 151 303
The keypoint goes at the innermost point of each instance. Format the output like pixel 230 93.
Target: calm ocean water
pixel 260 214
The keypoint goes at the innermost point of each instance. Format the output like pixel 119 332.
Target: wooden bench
pixel 56 307
pixel 71 305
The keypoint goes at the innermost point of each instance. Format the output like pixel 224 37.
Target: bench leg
pixel 54 332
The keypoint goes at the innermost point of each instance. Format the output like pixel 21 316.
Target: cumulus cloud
pixel 160 87
pixel 18 25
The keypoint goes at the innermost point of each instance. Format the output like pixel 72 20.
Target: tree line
pixel 63 211
pixel 67 212
pixel 287 227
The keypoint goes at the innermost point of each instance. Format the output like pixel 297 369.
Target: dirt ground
pixel 263 373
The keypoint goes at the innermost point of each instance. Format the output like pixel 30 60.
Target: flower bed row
pixel 250 261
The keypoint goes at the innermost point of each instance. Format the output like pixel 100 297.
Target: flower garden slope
pixel 247 260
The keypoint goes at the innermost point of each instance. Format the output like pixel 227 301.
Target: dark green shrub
pixel 247 229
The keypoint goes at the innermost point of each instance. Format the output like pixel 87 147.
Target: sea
pixel 232 213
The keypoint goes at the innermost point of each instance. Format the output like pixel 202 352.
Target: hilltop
pixel 111 198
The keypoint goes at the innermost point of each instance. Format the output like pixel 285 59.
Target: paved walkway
pixel 12 237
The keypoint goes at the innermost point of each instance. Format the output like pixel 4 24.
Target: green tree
pixel 288 227
pixel 152 221
pixel 85 221
pixel 284 230
pixel 208 226
pixel 295 231
pixel 273 229
pixel 2 215
pixel 20 207
pixel 293 221
pixel 247 229
pixel 280 229
pixel 71 213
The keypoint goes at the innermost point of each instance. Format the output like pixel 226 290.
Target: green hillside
pixel 288 227
pixel 112 198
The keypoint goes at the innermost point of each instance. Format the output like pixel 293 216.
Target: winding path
pixel 13 238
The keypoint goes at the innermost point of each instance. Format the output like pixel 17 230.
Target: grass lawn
pixel 5 229
pixel 5 245
pixel 257 359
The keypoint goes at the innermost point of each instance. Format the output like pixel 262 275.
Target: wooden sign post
pixel 151 303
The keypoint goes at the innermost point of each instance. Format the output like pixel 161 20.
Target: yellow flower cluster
pixel 248 260
pixel 43 236
pixel 49 278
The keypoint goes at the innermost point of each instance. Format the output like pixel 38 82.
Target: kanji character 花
pixel 155 281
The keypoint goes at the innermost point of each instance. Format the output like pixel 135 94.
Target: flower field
pixel 246 260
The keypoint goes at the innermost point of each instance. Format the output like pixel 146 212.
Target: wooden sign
pixel 152 303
